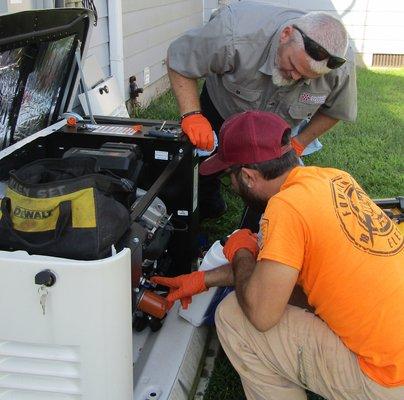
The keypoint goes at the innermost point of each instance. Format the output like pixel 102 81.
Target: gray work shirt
pixel 236 52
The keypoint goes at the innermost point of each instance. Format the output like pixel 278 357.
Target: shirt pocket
pixel 242 94
pixel 299 111
pixel 306 104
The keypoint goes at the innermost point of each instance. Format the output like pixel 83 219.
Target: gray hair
pixel 327 31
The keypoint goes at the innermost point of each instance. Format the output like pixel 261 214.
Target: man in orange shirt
pixel 321 231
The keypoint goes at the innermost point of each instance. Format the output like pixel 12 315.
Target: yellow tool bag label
pixel 39 215
pixel 64 208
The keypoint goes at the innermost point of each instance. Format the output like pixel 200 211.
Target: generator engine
pixel 149 307
pixel 149 233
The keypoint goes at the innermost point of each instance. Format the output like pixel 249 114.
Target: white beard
pixel 279 80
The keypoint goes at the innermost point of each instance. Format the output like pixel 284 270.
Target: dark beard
pixel 251 200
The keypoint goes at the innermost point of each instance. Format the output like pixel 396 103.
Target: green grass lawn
pixel 372 150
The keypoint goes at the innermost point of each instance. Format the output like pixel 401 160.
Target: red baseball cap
pixel 247 138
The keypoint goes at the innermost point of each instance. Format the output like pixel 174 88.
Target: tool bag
pixel 63 208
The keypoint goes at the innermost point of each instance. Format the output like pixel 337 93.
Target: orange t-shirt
pixel 351 262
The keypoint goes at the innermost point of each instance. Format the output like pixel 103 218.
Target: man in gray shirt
pixel 259 56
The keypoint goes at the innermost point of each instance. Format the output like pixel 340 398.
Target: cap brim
pixel 213 165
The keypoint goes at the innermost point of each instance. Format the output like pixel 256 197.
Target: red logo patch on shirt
pixel 310 98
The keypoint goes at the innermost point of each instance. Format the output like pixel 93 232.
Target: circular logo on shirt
pixel 363 222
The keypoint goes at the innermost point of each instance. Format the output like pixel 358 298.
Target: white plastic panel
pixel 167 363
pixel 82 347
pixel 107 102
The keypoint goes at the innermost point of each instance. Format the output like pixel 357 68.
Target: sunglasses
pixel 319 53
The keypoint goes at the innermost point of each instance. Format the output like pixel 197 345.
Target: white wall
pixel 149 26
pixel 99 41
pixel 375 26
pixel 7 6
pixel 208 7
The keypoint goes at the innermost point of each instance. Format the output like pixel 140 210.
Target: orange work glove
pixel 241 239
pixel 183 287
pixel 297 146
pixel 199 131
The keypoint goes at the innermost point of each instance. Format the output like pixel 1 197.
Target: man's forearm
pixel 220 276
pixel 319 124
pixel 185 91
pixel 243 266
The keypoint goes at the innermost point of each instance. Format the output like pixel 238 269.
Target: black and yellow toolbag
pixel 63 208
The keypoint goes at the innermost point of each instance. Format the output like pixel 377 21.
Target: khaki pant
pixel 299 352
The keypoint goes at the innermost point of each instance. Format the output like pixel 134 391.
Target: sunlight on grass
pixel 371 149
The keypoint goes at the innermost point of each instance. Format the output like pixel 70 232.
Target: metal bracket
pixel 78 60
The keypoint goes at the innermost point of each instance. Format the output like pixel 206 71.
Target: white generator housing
pixel 81 348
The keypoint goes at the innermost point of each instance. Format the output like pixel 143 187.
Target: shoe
pixel 212 210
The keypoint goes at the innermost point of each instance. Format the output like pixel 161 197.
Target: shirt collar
pixel 291 177
pixel 269 63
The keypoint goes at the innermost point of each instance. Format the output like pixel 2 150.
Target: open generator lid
pixel 38 71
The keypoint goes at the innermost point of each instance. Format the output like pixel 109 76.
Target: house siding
pixel 374 26
pixel 149 26
pixel 99 41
